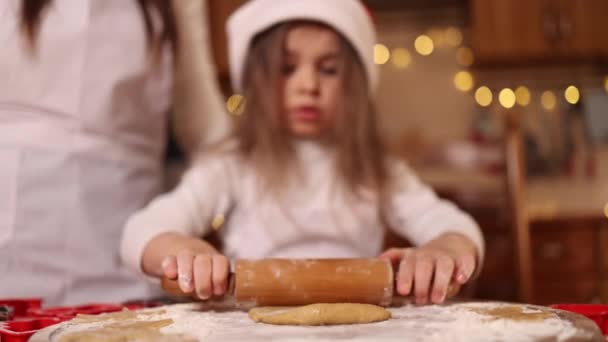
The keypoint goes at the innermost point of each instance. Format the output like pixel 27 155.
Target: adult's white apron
pixel 82 132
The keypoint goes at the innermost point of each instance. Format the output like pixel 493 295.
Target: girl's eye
pixel 288 69
pixel 329 70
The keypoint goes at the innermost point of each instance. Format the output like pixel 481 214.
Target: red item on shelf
pixel 596 312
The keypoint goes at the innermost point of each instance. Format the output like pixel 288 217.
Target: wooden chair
pixel 516 192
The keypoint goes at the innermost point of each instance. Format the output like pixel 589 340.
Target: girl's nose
pixel 308 81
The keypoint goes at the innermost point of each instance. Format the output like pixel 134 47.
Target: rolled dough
pixel 320 314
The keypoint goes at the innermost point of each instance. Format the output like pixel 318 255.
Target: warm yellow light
pixel 606 210
pixel 401 58
pixel 464 56
pixel 463 81
pixel 548 100
pixel 437 36
pixel 522 96
pixel 606 84
pixel 235 104
pixel 381 54
pixel 483 96
pixel 572 95
pixel 218 222
pixel 424 45
pixel 506 98
pixel 453 36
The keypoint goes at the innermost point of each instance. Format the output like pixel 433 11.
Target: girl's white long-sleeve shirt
pixel 311 220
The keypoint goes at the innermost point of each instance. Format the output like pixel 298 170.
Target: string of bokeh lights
pixel 452 37
pixel 463 80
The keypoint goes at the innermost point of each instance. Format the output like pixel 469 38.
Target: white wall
pixel 421 102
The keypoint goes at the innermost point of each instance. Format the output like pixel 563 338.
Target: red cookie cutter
pixel 596 312
pixel 19 307
pixel 21 329
pixel 69 312
pixel 26 316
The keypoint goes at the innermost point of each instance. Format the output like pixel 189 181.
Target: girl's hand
pixel 203 273
pixel 434 271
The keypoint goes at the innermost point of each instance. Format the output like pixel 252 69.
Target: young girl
pixel 305 175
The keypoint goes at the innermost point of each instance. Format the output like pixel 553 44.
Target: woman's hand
pixel 206 274
pixel 436 270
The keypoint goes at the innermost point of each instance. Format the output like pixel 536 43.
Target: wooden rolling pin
pixel 285 282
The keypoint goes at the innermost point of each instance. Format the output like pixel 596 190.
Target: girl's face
pixel 311 80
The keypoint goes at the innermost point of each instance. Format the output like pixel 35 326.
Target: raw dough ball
pixel 320 314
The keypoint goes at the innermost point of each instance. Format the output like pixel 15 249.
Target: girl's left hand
pixel 435 270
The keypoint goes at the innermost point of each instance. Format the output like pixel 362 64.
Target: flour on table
pixel 456 322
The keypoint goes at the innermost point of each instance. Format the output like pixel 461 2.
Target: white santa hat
pixel 348 17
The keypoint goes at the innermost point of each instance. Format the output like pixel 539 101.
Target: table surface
pixel 453 322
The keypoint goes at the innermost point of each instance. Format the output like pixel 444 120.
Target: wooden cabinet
pixel 603 243
pixel 566 261
pixel 528 31
pixel 583 28
pixel 562 250
pixel 497 278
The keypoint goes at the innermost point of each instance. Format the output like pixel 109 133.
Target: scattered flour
pixel 456 322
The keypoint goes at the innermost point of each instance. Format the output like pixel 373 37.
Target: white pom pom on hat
pixel 348 17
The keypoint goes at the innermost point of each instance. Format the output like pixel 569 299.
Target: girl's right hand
pixel 203 273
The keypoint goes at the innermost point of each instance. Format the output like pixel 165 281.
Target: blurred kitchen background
pixel 502 106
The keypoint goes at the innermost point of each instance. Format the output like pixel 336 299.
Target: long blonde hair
pixel 261 130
